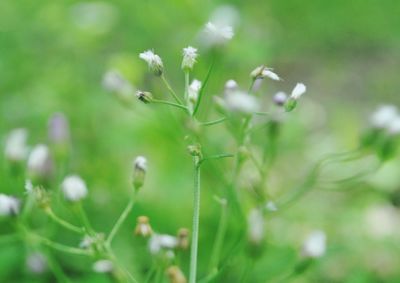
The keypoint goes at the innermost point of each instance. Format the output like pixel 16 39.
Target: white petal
pixel 298 91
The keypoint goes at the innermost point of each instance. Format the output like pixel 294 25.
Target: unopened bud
pixel 139 171
pixel 143 227
pixel 183 238
pixel 154 62
pixel 195 150
pixel 176 275
pixel 40 163
pixel 144 96
pixel 264 72
pixel 280 98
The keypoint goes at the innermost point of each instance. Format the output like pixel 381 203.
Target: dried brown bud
pixel 143 227
pixel 176 275
pixel 183 239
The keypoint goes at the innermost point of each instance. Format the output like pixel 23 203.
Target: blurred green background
pixel 53 55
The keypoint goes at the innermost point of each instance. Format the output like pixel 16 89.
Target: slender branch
pixel 85 221
pixel 61 247
pixel 187 79
pixel 196 218
pixel 64 223
pixel 169 103
pixel 217 156
pixel 170 89
pixel 196 107
pixel 121 219
pixel 210 123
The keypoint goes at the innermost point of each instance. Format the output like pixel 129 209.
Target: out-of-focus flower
pixel 16 149
pixel 241 102
pixel 36 263
pixel 382 221
pixel 139 171
pixel 144 96
pixel 255 224
pixel 74 188
pixel 143 227
pixel 384 116
pixel 153 61
pixel 230 86
pixel 94 17
pixel 28 186
pixel 314 245
pixel 394 126
pixel 189 58
pixel 9 205
pixel 271 206
pixel 58 129
pixel 40 163
pixel 217 34
pixel 176 275
pixel 159 242
pixel 280 98
pixel 298 91
pixel 103 266
pixel 193 94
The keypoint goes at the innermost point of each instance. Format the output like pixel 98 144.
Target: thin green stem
pixel 187 80
pixel 217 156
pixel 170 89
pixel 85 221
pixel 57 270
pixel 64 223
pixel 60 247
pixel 169 103
pixel 217 248
pixel 121 219
pixel 204 84
pixel 210 123
pixel 196 219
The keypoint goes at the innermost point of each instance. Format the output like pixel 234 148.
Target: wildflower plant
pixel 242 112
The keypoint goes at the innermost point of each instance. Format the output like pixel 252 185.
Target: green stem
pixel 196 219
pixel 217 156
pixel 210 123
pixel 170 89
pixel 169 103
pixel 57 270
pixel 61 247
pixel 121 219
pixel 64 223
pixel 187 79
pixel 215 254
pixel 84 219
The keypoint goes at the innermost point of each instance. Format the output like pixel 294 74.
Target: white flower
pixel 298 91
pixel 382 221
pixel 268 73
pixel 15 147
pixel 231 85
pixel 114 81
pixel 315 245
pixel 39 161
pixel 280 98
pixel 193 94
pixel 36 263
pixel 383 116
pixel 158 242
pixel 262 72
pixel 9 205
pixel 103 266
pixel 140 163
pixel 218 34
pixel 189 57
pixel 241 102
pixel 394 126
pixel 74 188
pixel 154 61
pixel 255 223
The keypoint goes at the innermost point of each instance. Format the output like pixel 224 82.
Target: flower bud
pixel 16 149
pixel 195 150
pixel 280 98
pixel 189 58
pixel 231 86
pixel 193 94
pixel 144 96
pixel 162 242
pixel 183 238
pixel 40 163
pixel 9 206
pixel 36 263
pixel 262 72
pixel 297 92
pixel 74 188
pixel 103 266
pixel 154 62
pixel 42 198
pixel 139 172
pixel 255 227
pixel 176 275
pixel 143 227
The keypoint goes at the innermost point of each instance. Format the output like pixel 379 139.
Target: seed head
pixel 74 188
pixel 189 58
pixel 153 61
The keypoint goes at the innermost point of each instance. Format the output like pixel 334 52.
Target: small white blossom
pixel 39 161
pixel 298 91
pixel 394 126
pixel 140 163
pixel 74 188
pixel 269 74
pixel 241 102
pixel 382 221
pixel 189 57
pixel 15 147
pixel 153 60
pixel 114 81
pixel 36 263
pixel 103 266
pixel 255 223
pixel 193 94
pixel 9 205
pixel 315 245
pixel 158 242
pixel 384 116
pixel 262 72
pixel 280 98
pixel 218 34
pixel 231 86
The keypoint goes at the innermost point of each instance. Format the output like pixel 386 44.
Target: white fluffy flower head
pixel 218 34
pixel 140 163
pixel 9 205
pixel 315 245
pixel 384 116
pixel 158 242
pixel 298 91
pixel 154 62
pixel 189 57
pixel 242 102
pixel 74 188
pixel 16 148
pixel 39 161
